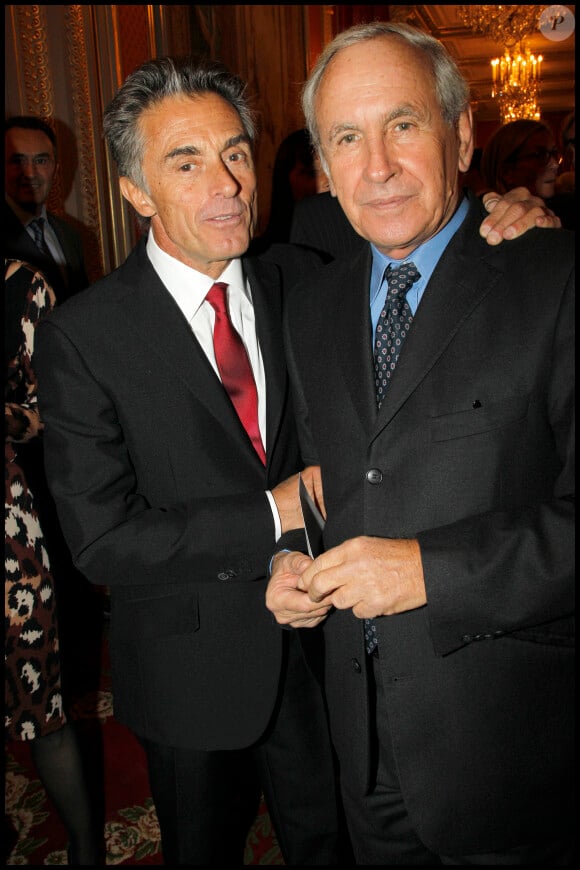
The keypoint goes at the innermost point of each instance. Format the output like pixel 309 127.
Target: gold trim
pixel 84 125
pixel 32 28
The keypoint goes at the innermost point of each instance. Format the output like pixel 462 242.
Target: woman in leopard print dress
pixel 34 709
pixel 33 699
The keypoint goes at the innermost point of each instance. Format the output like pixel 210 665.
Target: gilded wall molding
pixel 38 91
pixel 32 30
pixel 85 126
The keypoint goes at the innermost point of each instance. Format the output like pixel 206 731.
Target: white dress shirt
pixel 189 289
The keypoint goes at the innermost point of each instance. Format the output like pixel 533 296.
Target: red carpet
pixel 131 829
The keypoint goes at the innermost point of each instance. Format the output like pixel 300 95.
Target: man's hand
pixel 286 496
pixel 289 605
pixel 371 576
pixel 513 214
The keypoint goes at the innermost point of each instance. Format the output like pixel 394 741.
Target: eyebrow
pixel 340 128
pixel 194 151
pixel 404 111
pixel 34 155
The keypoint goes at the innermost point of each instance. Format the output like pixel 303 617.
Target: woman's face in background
pixel 535 165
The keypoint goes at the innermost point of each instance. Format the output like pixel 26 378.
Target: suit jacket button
pixel 374 476
pixel 224 575
pixel 356 665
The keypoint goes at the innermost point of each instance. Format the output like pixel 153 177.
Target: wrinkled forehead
pixel 386 67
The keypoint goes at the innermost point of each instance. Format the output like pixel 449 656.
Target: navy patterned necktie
pixel 37 226
pixel 393 324
pixel 234 367
pixel 392 328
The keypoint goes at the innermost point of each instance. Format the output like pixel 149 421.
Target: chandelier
pixel 516 84
pixel 516 75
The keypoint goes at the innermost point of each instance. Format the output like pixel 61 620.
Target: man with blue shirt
pixel 433 380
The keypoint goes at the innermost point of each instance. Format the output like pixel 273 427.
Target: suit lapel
pixel 461 279
pixel 350 318
pixel 70 254
pixel 17 234
pixel 266 295
pixel 151 311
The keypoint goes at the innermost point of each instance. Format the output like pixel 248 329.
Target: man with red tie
pixel 166 498
pixel 174 497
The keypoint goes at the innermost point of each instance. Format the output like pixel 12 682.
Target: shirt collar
pixel 425 257
pixel 188 286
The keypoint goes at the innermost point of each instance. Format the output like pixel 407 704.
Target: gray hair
pixel 451 89
pixel 153 82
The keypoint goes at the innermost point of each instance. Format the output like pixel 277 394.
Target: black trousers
pixel 206 801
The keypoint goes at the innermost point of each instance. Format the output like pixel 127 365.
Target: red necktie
pixel 234 367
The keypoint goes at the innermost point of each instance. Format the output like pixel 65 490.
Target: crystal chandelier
pixel 516 84
pixel 516 75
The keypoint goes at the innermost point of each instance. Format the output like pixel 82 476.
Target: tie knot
pixel 401 278
pixel 217 296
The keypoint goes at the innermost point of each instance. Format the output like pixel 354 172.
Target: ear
pixel 140 200
pixel 466 139
pixel 323 167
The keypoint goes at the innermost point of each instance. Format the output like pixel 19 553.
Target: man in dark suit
pixel 30 161
pixel 164 496
pixel 448 479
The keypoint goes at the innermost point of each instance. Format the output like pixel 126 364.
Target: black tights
pixel 57 758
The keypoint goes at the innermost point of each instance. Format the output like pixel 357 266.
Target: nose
pixel 379 161
pixel 28 168
pixel 223 182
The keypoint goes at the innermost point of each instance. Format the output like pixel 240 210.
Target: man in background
pixel 31 232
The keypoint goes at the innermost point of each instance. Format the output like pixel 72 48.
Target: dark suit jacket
pixel 471 453
pixel 161 496
pixel 18 244
pixel 319 224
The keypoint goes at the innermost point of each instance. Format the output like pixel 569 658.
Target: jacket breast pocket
pixel 477 420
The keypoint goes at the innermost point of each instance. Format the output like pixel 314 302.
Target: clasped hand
pixel 370 576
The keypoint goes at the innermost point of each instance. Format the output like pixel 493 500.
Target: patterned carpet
pixel 35 835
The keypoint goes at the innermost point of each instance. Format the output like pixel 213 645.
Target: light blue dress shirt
pixel 425 258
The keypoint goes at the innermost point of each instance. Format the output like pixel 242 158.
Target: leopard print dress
pixel 33 697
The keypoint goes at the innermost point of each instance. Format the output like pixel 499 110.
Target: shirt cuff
pixel 275 515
